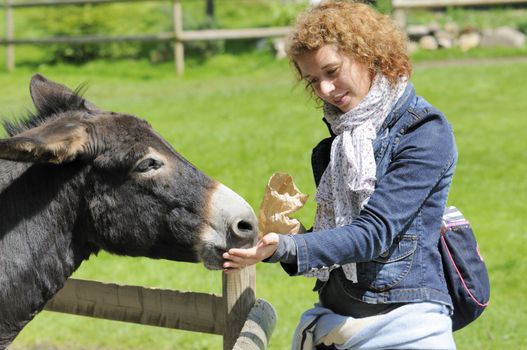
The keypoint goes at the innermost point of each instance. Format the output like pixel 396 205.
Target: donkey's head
pixel 137 195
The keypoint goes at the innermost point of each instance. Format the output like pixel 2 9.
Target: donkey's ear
pixel 59 141
pixel 50 97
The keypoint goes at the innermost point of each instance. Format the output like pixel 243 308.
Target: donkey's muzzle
pixel 233 216
pixel 231 224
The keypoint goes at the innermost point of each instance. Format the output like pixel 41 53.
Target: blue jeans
pixel 413 326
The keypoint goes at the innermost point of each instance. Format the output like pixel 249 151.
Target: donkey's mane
pixel 55 105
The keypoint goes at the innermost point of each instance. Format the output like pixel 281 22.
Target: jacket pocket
pixel 388 269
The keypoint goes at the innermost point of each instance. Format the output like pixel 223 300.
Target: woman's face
pixel 336 78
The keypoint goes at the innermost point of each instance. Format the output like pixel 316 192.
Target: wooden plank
pixel 245 33
pixel 447 3
pixel 9 35
pixel 258 327
pixel 89 39
pixel 190 311
pixel 213 34
pixel 239 296
pixel 399 16
pixel 179 49
pixel 47 3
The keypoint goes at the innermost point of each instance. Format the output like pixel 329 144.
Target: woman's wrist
pixel 285 251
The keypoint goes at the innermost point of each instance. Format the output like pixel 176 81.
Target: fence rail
pixel 401 6
pixel 216 34
pixel 65 2
pixel 245 322
pixel 447 3
pixel 199 312
pixel 178 35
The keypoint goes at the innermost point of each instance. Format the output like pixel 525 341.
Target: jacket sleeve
pixel 423 154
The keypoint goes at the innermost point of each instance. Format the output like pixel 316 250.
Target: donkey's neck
pixel 41 238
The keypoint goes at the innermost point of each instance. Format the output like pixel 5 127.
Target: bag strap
pixel 443 241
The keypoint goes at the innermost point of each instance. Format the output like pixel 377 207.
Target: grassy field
pixel 241 119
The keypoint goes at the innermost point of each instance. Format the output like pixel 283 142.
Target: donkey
pixel 75 179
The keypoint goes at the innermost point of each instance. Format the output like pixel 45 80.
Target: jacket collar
pixel 400 108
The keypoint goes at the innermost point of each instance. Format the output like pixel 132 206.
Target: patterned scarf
pixel 349 179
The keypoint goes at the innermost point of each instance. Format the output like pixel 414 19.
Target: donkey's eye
pixel 147 165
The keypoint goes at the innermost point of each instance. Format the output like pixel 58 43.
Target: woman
pixel 382 183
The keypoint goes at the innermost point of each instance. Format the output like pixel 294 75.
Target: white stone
pixel 452 28
pixel 434 27
pixel 469 41
pixel 428 42
pixel 444 39
pixel 503 37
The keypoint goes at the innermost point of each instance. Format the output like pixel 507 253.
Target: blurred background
pixel 233 108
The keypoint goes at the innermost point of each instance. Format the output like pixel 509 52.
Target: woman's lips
pixel 340 99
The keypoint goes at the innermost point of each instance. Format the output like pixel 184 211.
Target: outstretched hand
pixel 237 258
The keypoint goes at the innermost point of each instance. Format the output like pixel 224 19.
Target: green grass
pixel 458 54
pixel 240 119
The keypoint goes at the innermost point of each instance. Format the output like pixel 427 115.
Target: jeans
pixel 412 326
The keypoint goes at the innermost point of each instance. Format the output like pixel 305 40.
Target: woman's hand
pixel 237 258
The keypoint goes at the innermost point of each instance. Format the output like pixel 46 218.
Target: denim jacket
pixel 394 241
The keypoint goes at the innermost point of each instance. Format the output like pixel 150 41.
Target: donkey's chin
pixel 212 257
pixel 211 248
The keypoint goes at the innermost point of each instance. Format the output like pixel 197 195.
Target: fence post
pixel 179 50
pixel 239 296
pixel 399 16
pixel 9 35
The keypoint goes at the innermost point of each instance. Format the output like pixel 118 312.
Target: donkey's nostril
pixel 244 229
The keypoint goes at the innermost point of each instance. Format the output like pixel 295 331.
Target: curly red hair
pixel 357 30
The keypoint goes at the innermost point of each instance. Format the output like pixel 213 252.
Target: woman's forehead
pixel 319 59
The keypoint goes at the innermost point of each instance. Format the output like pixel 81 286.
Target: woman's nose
pixel 326 87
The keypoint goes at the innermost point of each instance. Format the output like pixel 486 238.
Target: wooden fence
pixel 178 35
pixel 245 322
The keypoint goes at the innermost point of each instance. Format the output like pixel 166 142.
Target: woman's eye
pixel 148 164
pixel 332 72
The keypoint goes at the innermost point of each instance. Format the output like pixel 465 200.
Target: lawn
pixel 240 119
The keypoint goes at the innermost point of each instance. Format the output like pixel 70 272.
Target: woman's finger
pixel 234 258
pixel 240 263
pixel 243 253
pixel 232 265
